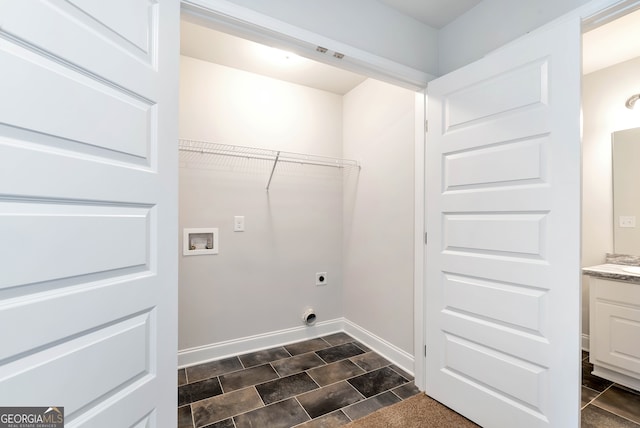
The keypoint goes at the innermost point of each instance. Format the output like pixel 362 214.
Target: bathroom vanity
pixel 614 312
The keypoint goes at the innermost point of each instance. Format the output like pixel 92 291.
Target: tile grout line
pixel 295 397
pixel 274 369
pixel 349 417
pixel 356 390
pixel 603 391
pixel 221 386
pixel 218 375
pixel 592 402
pixel 311 377
pixel 238 414
pixel 401 374
pixel 259 396
pixel 614 413
pixel 596 396
pixel 321 359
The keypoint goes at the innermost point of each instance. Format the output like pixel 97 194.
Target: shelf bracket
pixel 275 162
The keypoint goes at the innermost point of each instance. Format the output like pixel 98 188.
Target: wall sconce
pixel 632 100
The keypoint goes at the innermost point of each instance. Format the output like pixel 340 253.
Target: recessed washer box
pixel 197 241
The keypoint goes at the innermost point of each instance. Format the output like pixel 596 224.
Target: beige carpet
pixel 415 412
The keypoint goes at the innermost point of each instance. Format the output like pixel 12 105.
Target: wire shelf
pixel 194 148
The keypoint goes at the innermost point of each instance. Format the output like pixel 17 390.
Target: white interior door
pixel 88 209
pixel 503 220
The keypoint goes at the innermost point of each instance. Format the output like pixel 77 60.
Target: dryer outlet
pixel 321 278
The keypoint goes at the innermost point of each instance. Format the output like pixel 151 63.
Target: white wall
pixel 491 24
pixel 263 278
pixel 364 24
pixel 604 93
pixel 379 126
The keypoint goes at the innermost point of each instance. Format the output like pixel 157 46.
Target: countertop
pixel 612 271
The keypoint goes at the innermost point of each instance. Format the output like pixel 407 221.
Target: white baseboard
pixel 400 358
pixel 216 351
pixel 585 342
pixel 244 345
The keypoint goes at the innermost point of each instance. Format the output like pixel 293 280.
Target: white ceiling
pixel 224 49
pixel 435 13
pixel 612 43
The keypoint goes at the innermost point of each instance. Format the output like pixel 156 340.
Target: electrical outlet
pixel 627 221
pixel 238 223
pixel 321 278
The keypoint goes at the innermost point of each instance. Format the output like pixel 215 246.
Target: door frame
pixel 246 23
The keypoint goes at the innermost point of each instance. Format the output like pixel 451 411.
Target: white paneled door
pixel 503 220
pixel 88 209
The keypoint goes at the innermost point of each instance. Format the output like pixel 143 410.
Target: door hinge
pixel 426 126
pixel 425 238
pixel 425 350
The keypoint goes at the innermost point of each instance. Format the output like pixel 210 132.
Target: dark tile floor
pixel 606 404
pixel 332 380
pixel 319 383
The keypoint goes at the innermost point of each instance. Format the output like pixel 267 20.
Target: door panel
pixel 503 214
pixel 119 292
pixel 517 306
pixel 65 104
pixel 129 20
pixel 88 209
pixel 50 367
pixel 511 92
pixel 90 35
pixel 520 161
pixel 494 233
pixel 118 238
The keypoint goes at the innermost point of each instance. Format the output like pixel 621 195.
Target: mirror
pixel 626 191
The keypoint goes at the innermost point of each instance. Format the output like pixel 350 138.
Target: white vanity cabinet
pixel 614 313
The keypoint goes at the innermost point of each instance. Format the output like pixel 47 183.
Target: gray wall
pixel 491 24
pixel 364 24
pixel 379 129
pixel 263 278
pixel 358 227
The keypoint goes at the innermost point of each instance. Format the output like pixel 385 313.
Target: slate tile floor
pixel 319 383
pixel 606 404
pixel 330 381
